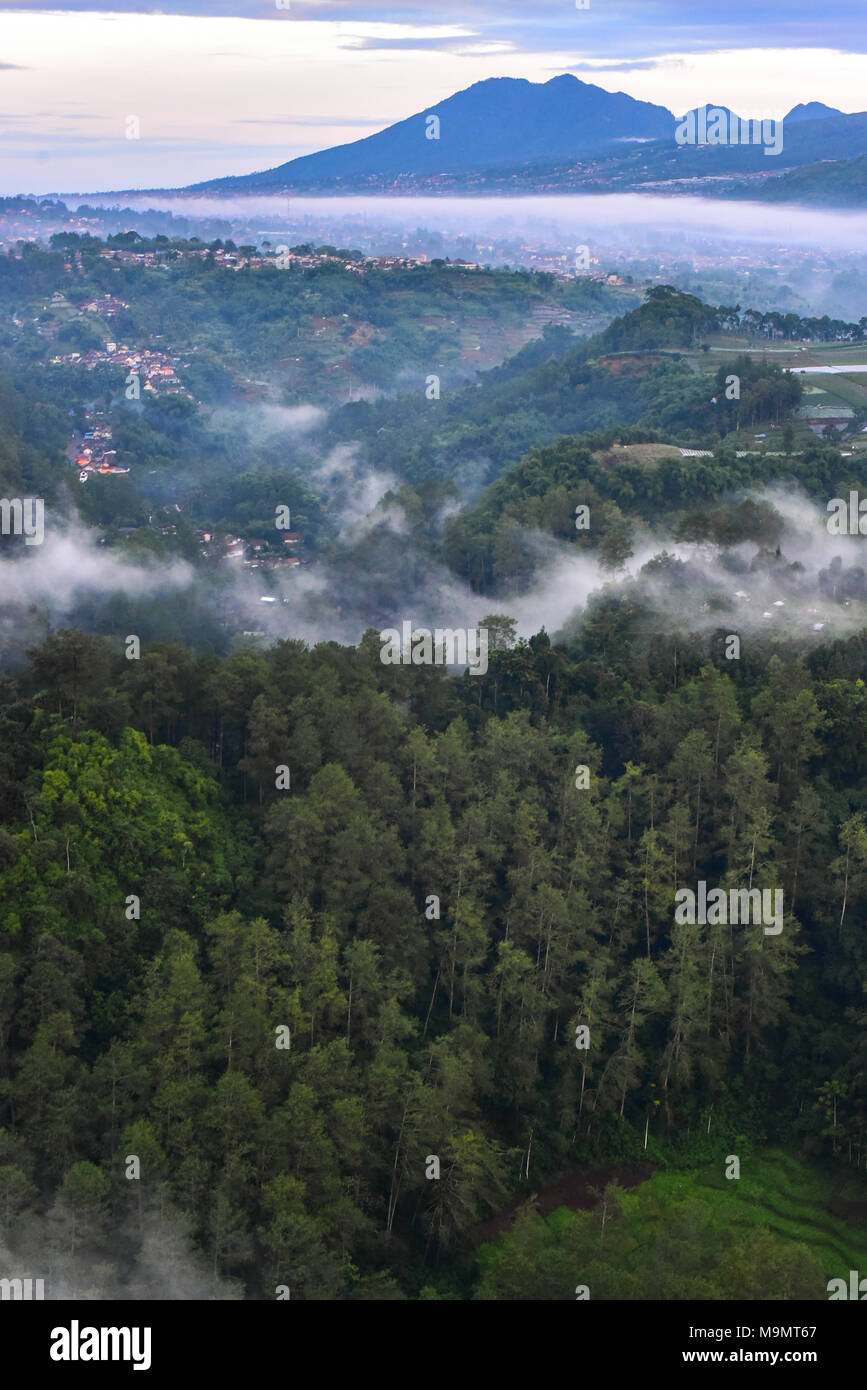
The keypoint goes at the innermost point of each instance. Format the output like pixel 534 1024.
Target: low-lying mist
pixel 378 572
pixel 615 216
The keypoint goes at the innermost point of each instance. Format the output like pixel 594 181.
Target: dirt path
pixel 574 1190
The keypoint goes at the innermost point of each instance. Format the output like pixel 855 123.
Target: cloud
pixel 260 421
pixel 6 116
pixel 70 565
pixel 627 65
pixel 460 46
pixel 329 122
pixel 633 28
pixel 142 149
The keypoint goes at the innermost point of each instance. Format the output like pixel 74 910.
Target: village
pixel 231 257
pixel 151 369
pixel 254 553
pixel 90 451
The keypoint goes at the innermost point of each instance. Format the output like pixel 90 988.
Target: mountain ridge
pixel 482 126
pixel 508 134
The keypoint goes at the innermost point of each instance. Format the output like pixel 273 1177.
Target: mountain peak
pixel 499 122
pixel 812 111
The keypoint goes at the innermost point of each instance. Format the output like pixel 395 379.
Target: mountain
pixel 812 111
pixel 508 135
pixel 503 120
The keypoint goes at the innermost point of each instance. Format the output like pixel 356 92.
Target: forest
pixel 322 974
pixel 430 912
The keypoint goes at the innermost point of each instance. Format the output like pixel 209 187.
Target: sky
pixel 162 95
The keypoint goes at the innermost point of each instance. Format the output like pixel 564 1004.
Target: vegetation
pixel 315 938
pixel 413 1034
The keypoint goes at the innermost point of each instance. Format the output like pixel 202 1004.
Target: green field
pixel 778 1232
pixel 783 1194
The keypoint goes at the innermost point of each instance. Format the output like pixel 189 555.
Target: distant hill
pixel 830 138
pixel 812 111
pixel 831 183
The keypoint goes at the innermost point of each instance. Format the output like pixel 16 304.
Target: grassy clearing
pixel 843 388
pixel 646 455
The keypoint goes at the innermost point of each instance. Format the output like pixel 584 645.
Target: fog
pixel 264 421
pixel 747 588
pixel 148 1254
pixel 375 574
pixel 619 217
pixel 70 562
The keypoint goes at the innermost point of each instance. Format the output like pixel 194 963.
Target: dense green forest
pixel 431 909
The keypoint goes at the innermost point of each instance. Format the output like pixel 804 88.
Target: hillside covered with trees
pixel 430 910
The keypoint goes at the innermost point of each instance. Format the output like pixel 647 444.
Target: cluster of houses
pixel 229 260
pixel 149 258
pixel 155 370
pixel 106 305
pixel 308 260
pixel 255 552
pixel 562 265
pixel 91 451
pixel 239 260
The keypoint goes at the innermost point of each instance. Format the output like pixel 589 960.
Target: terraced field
pixel 795 1200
